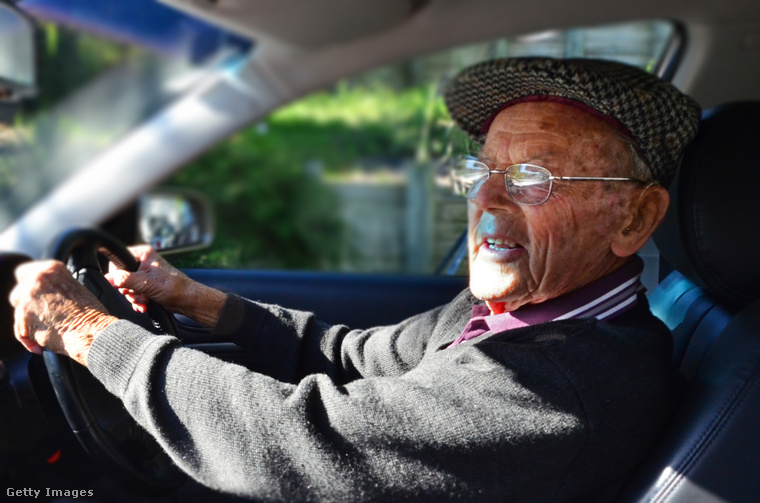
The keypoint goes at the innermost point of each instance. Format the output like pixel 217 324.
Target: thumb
pixel 123 279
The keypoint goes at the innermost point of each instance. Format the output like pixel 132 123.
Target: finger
pixel 136 283
pixel 21 293
pixel 137 298
pixel 111 268
pixel 27 270
pixel 119 278
pixel 133 297
pixel 139 303
pixel 15 296
pixel 138 252
pixel 33 277
pixel 19 328
pixel 142 252
pixel 30 345
pixel 22 334
pixel 112 276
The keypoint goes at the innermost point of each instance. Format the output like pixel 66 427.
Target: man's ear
pixel 646 214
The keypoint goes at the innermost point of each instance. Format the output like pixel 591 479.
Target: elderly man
pixel 547 381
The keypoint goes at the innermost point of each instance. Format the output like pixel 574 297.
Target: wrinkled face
pixel 529 254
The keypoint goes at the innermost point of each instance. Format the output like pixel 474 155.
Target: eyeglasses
pixel 527 184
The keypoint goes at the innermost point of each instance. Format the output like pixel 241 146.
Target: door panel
pixel 355 300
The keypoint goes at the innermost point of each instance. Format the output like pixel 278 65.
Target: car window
pixel 352 178
pixel 97 56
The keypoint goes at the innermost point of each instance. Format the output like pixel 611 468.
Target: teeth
pixel 500 244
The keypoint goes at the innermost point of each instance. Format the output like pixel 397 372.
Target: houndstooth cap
pixel 659 118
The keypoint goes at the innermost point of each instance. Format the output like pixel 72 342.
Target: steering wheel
pixel 98 419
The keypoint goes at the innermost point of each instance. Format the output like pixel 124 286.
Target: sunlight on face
pixel 528 254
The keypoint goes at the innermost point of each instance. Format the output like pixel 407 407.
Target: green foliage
pixel 269 210
pixel 359 122
pixel 269 186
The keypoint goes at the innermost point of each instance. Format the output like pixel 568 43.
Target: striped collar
pixel 603 299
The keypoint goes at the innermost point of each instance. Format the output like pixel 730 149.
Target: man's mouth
pixel 501 244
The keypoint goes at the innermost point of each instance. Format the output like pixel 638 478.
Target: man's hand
pixel 155 280
pixel 159 281
pixel 53 311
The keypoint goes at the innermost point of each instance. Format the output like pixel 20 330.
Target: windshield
pixel 131 57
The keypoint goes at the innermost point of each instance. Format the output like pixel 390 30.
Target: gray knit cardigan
pixel 561 411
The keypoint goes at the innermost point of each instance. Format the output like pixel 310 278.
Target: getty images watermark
pixel 48 492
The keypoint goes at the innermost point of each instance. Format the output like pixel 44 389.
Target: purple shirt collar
pixel 603 299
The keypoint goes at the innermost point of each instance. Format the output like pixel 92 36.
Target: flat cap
pixel 657 116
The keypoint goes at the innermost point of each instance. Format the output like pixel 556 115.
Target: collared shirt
pixel 602 299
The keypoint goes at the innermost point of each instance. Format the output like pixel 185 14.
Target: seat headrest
pixel 711 233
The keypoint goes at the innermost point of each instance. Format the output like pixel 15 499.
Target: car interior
pixel 709 452
pixel 708 268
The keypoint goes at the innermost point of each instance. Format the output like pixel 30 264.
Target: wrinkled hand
pixel 159 281
pixel 155 280
pixel 53 311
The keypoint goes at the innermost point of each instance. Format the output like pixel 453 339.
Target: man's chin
pixel 491 294
pixel 492 283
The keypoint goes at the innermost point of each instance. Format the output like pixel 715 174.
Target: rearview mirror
pixel 18 72
pixel 175 221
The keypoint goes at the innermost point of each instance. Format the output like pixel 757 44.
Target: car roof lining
pixel 723 37
pixel 303 24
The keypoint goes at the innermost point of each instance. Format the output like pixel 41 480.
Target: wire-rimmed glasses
pixel 527 184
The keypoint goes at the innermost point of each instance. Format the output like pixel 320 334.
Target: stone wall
pixel 398 223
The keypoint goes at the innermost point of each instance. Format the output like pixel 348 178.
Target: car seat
pixel 710 450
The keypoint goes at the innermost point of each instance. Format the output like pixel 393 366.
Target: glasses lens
pixel 468 176
pixel 528 184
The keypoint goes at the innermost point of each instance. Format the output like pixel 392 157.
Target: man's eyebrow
pixel 539 157
pixel 545 156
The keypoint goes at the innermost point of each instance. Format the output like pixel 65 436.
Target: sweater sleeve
pixel 463 424
pixel 288 344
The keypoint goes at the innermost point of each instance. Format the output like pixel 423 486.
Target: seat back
pixel 710 451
